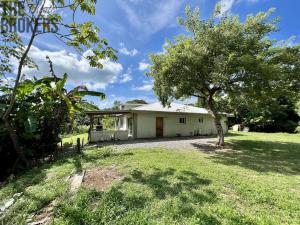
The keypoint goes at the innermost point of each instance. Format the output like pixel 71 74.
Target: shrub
pixel 297 130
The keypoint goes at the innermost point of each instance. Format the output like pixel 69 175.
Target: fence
pixel 50 152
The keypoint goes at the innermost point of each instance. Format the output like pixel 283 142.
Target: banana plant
pixel 50 89
pixel 74 96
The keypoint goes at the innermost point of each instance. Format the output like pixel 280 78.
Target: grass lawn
pixel 258 183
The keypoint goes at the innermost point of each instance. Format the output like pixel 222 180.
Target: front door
pixel 159 126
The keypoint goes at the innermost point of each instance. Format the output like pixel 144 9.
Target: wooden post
pixel 78 146
pixel 91 127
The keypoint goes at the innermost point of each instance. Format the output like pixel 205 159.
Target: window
pixel 182 120
pixel 200 120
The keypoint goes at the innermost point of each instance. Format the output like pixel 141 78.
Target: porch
pixel 123 125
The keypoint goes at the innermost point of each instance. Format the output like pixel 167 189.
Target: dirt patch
pixel 101 178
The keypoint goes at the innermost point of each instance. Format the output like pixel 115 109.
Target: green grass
pixel 258 183
pixel 73 138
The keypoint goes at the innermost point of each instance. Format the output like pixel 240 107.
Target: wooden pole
pixel 78 146
pixel 91 127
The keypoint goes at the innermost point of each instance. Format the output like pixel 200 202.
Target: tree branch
pixel 21 63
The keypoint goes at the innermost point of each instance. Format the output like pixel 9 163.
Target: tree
pixel 42 109
pixel 270 115
pixel 224 56
pixel 297 108
pixel 116 105
pixel 81 116
pixel 137 101
pixel 43 17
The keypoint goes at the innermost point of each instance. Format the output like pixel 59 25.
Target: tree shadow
pixel 38 174
pixel 262 156
pixel 186 186
pixel 106 154
pixel 234 134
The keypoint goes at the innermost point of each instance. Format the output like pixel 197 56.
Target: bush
pixel 81 129
pixel 297 130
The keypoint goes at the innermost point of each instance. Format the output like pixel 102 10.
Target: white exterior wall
pixel 124 125
pixel 146 125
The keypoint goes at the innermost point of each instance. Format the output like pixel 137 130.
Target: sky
pixel 137 28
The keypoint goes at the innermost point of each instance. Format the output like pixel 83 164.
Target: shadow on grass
pixel 234 134
pixel 263 156
pixel 177 194
pixel 187 186
pixel 158 181
pixel 38 175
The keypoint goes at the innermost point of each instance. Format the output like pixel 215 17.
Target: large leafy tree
pixel 224 56
pixel 45 18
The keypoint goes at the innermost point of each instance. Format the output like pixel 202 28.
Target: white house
pixel 153 120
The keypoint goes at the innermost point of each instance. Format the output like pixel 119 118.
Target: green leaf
pixel 90 93
pixel 31 124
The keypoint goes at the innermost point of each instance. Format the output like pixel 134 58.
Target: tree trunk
pixel 217 121
pixel 5 117
pixel 15 140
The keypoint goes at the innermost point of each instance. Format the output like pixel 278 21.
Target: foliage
pixel 297 108
pixel 271 115
pixel 297 130
pixel 200 103
pixel 108 122
pixel 81 118
pixel 43 108
pixel 45 18
pixel 223 55
pixel 160 187
pixel 137 101
pixel 116 105
pixel 11 45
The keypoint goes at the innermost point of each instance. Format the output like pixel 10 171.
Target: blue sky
pixel 137 28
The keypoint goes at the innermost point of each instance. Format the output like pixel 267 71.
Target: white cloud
pixel 164 46
pixel 226 5
pixel 126 76
pixel 143 65
pixel 147 86
pixel 7 81
pixel 78 68
pixel 150 17
pixel 125 51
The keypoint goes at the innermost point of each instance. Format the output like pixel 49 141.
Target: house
pixel 153 120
